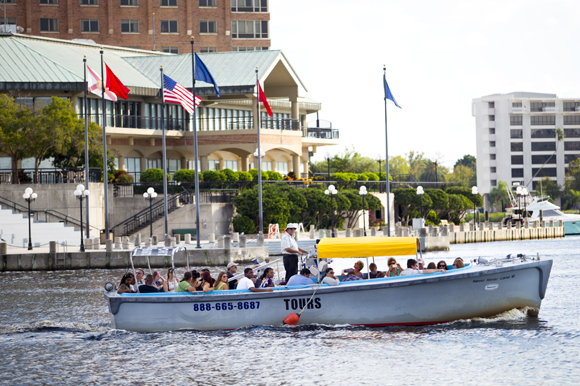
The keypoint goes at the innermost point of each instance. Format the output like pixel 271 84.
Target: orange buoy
pixel 292 319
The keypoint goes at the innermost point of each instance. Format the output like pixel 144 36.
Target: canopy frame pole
pixel 368 270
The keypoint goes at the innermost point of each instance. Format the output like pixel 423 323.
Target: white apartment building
pixel 516 135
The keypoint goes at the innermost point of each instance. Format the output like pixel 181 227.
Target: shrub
pixel 244 176
pixel 274 176
pixel 186 175
pixel 432 218
pixel 213 175
pixel 244 224
pixel 230 175
pixel 254 173
pixel 371 176
pixel 153 175
pixel 122 177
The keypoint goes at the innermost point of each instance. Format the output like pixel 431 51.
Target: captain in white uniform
pixel 290 251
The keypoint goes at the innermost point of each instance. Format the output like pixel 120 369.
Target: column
pixel 122 162
pixel 69 16
pixel 296 164
pixel 295 111
pixel 143 161
pixel 245 163
pixel 183 163
pixel 204 163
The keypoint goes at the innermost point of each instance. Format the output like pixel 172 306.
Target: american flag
pixel 173 92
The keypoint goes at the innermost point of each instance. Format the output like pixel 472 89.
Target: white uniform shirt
pixel 245 283
pixel 411 271
pixel 288 242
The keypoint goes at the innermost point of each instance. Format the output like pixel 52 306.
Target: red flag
pixel 114 85
pixel 262 98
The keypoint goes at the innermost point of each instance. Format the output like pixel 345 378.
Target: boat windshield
pixel 552 213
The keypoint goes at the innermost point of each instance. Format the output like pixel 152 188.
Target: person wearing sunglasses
pixel 330 278
pixel 394 268
pixel 458 263
pixel 442 265
pixel 413 269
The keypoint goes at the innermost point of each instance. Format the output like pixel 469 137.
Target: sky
pixel 439 55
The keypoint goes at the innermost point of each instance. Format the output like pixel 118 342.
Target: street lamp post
pixel 380 185
pixel 328 169
pixel 151 194
pixel 474 192
pixel 363 193
pixel 525 193
pixel 331 191
pixel 29 196
pixel 420 193
pixel 519 192
pixel 81 193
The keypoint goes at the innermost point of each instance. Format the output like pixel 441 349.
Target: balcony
pixel 552 109
pixel 518 110
pixel 322 133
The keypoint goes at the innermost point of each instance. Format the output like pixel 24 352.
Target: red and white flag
pixel 113 86
pixel 262 98
pixel 173 92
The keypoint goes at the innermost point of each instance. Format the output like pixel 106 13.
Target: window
pixel 516 104
pixel 493 182
pixel 89 2
pixel 540 159
pixel 207 3
pixel 282 167
pixel 517 159
pixel 516 133
pixel 168 3
pixel 48 1
pixel 571 145
pixel 572 119
pixel 491 105
pixel 493 169
pixel 129 26
pixel 543 133
pixel 48 25
pixel 543 120
pixel 544 172
pixel 571 106
pixel 249 29
pixel 240 49
pixel 205 50
pixel 170 50
pixel 128 114
pixel 134 3
pixel 492 157
pixel 491 131
pixel 570 157
pixel 517 146
pixel 266 166
pixel 572 133
pixel 491 143
pixel 8 2
pixel 517 173
pixel 169 26
pixel 89 25
pixel 248 5
pixel 543 146
pixel 214 164
pixel 539 106
pixel 133 167
pixel 154 163
pixel 173 165
pixel 207 26
pixel 9 20
pixel 492 118
pixel 516 120
pixel 232 165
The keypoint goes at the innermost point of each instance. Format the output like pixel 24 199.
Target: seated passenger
pixel 196 275
pixel 221 283
pixel 158 282
pixel 412 269
pixel 458 263
pixel 247 283
pixel 265 280
pixel 206 282
pixel 373 270
pixel 330 278
pixel 358 266
pixel 148 286
pixel 303 278
pixel 380 275
pixel 125 286
pixel 394 268
pixel 170 285
pixel 207 270
pixel 187 283
pixel 442 264
pixel 431 266
pixel 351 276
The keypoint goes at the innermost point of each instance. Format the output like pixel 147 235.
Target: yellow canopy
pixel 366 247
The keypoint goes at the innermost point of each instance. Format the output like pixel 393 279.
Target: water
pixel 55 329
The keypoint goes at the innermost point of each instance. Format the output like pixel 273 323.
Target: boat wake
pixel 513 315
pixel 48 325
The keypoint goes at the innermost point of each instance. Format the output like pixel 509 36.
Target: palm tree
pixel 572 198
pixel 499 194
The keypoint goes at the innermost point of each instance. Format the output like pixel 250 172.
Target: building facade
pixel 160 25
pixel 516 138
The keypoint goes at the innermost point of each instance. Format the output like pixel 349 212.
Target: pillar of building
pixel 295 114
pixel 204 163
pixel 143 162
pixel 244 163
pixel 222 164
pixel 122 162
pixel 183 163
pixel 296 164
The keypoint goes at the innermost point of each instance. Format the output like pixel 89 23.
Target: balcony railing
pixel 322 133
pixel 49 176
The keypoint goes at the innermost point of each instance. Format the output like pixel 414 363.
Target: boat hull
pixel 572 228
pixel 417 300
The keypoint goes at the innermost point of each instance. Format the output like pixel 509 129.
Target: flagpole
pixel 163 161
pixel 387 160
pixel 259 157
pixel 197 228
pixel 106 176
pixel 86 116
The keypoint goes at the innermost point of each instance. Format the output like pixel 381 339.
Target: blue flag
pixel 388 93
pixel 203 74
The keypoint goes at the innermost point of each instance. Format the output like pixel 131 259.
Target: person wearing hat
pixel 290 251
pixel 232 268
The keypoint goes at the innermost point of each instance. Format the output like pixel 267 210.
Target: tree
pixel 416 163
pixel 467 161
pixel 573 175
pixel 14 122
pixel 440 199
pixel 432 171
pixel 275 205
pixel 398 165
pixel 572 199
pixel 348 162
pixel 464 175
pixel 550 188
pixel 499 194
pixel 466 192
pixel 410 203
